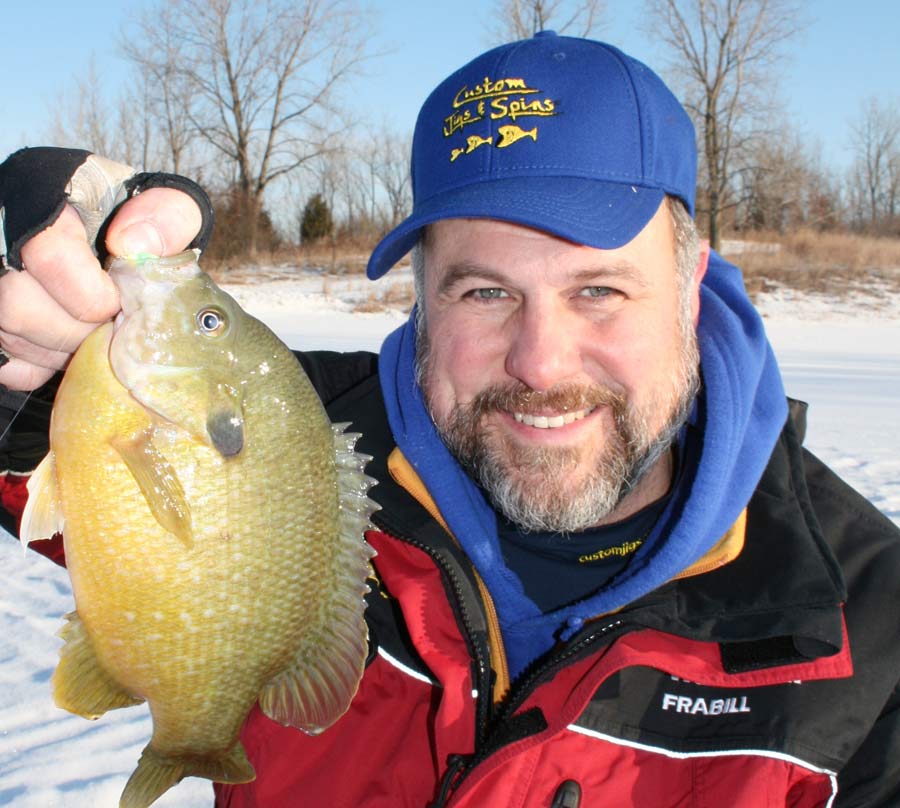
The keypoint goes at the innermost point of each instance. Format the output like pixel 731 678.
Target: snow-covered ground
pixel 844 359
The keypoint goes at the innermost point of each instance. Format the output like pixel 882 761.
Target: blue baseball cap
pixel 565 135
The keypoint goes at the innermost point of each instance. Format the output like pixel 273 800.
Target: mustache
pixel 518 397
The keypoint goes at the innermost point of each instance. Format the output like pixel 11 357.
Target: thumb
pixel 158 221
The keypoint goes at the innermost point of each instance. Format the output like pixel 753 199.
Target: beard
pixel 539 488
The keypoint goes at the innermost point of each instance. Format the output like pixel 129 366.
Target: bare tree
pixel 261 77
pixel 520 19
pixel 783 185
pixel 724 54
pixel 365 182
pixel 166 78
pixel 82 116
pixel 387 159
pixel 395 178
pixel 137 125
pixel 875 175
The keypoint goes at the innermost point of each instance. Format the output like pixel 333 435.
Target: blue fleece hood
pixel 739 415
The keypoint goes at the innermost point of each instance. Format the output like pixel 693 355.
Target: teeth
pixel 550 421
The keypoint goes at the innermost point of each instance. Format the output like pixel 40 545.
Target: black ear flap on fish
pixel 225 420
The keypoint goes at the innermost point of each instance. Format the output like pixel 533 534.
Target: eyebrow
pixel 457 273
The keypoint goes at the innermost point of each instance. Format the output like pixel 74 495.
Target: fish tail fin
pixel 80 683
pixel 157 773
pixel 317 688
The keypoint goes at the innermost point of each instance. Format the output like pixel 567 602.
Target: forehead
pixel 499 245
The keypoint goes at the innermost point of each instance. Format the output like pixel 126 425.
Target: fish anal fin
pixel 156 773
pixel 43 516
pixel 316 690
pixel 158 482
pixel 80 684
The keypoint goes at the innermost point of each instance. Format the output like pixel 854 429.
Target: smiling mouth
pixel 551 421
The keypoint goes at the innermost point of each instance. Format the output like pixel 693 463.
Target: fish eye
pixel 211 321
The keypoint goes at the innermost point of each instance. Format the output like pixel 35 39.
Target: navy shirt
pixel 561 568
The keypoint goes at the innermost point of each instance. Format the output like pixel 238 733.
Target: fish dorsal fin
pixel 43 516
pixel 159 483
pixel 319 685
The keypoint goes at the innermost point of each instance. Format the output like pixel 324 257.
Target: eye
pixel 597 291
pixel 488 293
pixel 211 321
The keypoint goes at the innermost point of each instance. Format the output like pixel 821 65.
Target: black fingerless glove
pixel 35 185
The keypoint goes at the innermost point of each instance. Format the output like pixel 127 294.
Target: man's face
pixel 557 373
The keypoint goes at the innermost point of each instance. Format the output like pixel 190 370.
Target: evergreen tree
pixel 317 222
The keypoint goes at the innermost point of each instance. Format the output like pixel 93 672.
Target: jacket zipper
pixel 405 476
pixel 460 766
pixel 483 699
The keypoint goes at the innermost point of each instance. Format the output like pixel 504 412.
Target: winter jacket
pixel 765 675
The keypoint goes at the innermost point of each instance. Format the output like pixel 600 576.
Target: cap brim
pixel 605 215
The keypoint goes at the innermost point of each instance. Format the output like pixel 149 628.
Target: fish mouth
pixel 136 276
pixel 553 421
pixel 130 286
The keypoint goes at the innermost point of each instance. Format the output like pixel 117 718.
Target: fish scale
pixel 204 504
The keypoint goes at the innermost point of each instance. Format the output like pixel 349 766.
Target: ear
pixel 699 273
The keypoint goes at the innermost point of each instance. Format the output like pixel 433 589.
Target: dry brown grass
pixel 831 263
pixel 343 259
pixel 823 262
pixel 397 296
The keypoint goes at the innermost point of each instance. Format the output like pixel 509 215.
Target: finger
pixel 20 375
pixel 31 353
pixel 61 261
pixel 28 311
pixel 158 221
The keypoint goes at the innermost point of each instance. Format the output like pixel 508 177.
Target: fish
pixel 474 141
pixel 510 133
pixel 213 521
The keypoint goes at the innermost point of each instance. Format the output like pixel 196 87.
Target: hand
pixel 63 294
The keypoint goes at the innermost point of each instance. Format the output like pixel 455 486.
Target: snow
pixel 842 358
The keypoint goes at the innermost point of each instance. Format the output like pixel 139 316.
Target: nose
pixel 544 346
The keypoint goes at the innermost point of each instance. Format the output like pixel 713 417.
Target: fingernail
pixel 140 237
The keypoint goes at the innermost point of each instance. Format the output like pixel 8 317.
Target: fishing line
pixel 15 415
pixel 79 319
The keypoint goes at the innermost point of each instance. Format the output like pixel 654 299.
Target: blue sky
pixel 847 54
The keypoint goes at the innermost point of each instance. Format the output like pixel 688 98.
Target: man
pixel 608 573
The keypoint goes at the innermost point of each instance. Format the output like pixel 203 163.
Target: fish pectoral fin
pixel 158 482
pixel 43 516
pixel 80 684
pixel 157 773
pixel 225 419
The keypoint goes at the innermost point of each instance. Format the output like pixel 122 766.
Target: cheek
pixel 635 357
pixel 461 363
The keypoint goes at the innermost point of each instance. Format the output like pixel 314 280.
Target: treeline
pixel 782 183
pixel 245 96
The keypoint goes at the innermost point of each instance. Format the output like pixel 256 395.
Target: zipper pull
pixel 568 795
pixel 455 766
